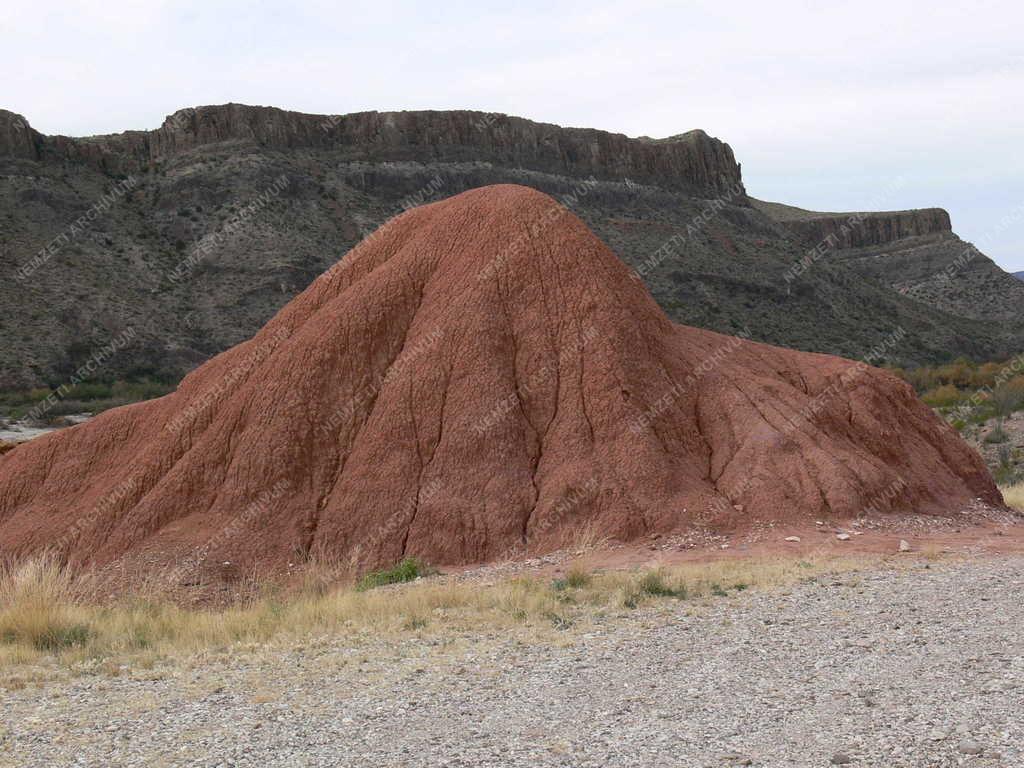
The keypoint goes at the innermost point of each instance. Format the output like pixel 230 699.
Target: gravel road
pixel 920 666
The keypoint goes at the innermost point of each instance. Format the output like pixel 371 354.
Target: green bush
pixel 59 637
pixel 409 569
pixel 574 579
pixel 997 435
pixel 653 583
pixel 942 397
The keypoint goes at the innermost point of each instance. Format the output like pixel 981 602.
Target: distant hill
pixel 1019 275
pixel 186 239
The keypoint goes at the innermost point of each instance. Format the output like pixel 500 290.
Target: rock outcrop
pixel 17 139
pixel 479 377
pixel 693 161
pixel 858 230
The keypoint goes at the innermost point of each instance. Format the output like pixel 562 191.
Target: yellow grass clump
pixel 45 616
pixel 1014 495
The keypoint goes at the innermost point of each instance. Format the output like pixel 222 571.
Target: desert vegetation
pixel 49 403
pixel 982 401
pixel 48 615
pixel 1014 495
pixel 977 391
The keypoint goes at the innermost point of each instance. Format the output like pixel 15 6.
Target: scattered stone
pixel 904 545
pixel 843 536
pixel 407 700
pixel 792 538
pixel 841 758
pixel 969 747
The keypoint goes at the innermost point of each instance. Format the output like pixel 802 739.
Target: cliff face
pixel 693 162
pixel 17 139
pixel 859 230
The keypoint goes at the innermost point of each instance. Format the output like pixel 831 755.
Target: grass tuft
pixel 654 583
pixel 997 436
pixel 408 569
pixel 1014 496
pixel 576 578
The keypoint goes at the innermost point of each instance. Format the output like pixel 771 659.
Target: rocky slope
pixel 481 376
pixel 191 236
pixel 916 254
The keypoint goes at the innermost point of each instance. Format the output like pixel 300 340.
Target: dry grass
pixel 1014 495
pixel 43 616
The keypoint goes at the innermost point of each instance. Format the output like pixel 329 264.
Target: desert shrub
pixel 1014 495
pixel 408 569
pixel 964 375
pixel 37 607
pixel 576 578
pixel 653 583
pixel 942 397
pixel 58 637
pixel 997 435
pixel 90 390
pixel 1008 398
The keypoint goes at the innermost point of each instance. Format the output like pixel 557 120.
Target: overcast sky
pixel 871 104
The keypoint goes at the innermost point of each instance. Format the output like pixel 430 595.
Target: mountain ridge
pixel 195 233
pixel 692 160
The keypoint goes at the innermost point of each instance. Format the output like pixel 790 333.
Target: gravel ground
pixel 917 667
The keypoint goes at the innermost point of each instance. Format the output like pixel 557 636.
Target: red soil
pixel 480 377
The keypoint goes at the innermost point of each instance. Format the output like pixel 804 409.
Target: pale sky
pixel 828 106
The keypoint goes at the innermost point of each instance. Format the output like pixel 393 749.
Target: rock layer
pixel 857 230
pixel 871 228
pixel 480 376
pixel 692 161
pixel 17 139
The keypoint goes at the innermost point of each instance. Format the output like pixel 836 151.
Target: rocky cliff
pixel 230 211
pixel 17 139
pixel 858 230
pixel 692 162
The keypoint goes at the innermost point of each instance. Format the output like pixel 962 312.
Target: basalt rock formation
pixel 692 161
pixel 480 377
pixel 858 230
pixel 17 139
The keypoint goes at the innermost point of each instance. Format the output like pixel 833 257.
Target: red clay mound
pixel 480 376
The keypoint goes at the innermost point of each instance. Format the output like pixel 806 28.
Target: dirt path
pixel 920 666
